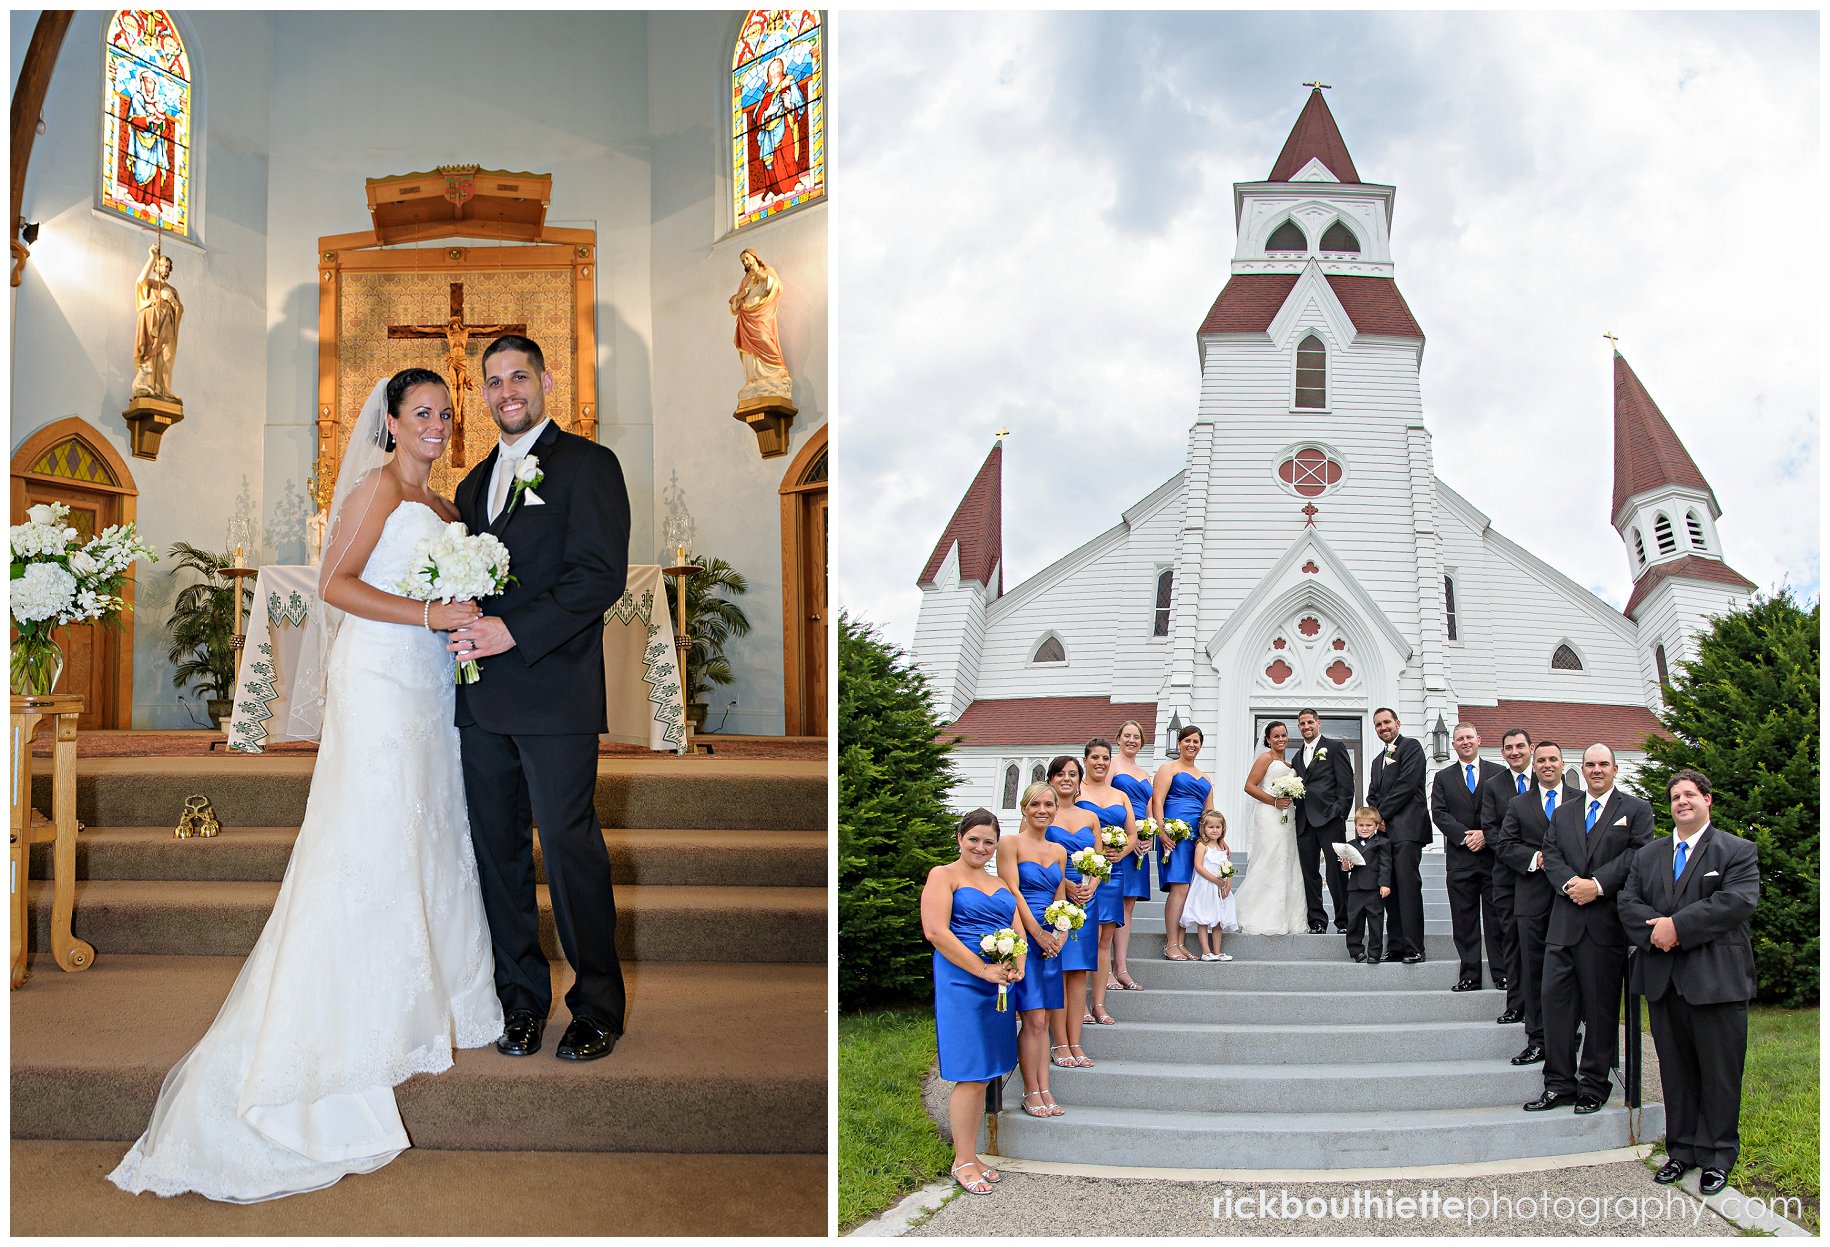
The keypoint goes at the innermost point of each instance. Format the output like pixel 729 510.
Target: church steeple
pixel 977 527
pixel 1314 138
pixel 1647 454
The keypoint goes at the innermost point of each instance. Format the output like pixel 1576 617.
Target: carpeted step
pixel 653 923
pixel 647 856
pixel 717 1058
pixel 58 1188
pixel 271 791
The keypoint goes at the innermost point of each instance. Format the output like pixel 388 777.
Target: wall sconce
pixel 1439 740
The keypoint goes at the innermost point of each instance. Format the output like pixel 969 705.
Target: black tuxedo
pixel 1522 832
pixel 1495 796
pixel 1365 910
pixel 1698 991
pixel 529 727
pixel 1455 809
pixel 1395 789
pixel 1321 820
pixel 1585 950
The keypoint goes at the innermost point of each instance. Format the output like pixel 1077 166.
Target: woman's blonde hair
pixel 1040 786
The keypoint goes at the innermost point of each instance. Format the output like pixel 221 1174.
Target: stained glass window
pixel 146 121
pixel 778 114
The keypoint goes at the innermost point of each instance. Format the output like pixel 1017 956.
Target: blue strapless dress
pixel 977 1043
pixel 1133 874
pixel 1081 952
pixel 1109 901
pixel 1041 986
pixel 1186 800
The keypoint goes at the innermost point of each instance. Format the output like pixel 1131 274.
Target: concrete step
pixel 1152 910
pixel 1348 1043
pixel 1214 1001
pixel 223 919
pixel 1147 944
pixel 1332 1140
pixel 1251 1088
pixel 1240 976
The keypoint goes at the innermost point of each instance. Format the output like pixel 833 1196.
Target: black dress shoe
pixel 1509 1017
pixel 1371 960
pixel 521 1032
pixel 1531 1056
pixel 1359 956
pixel 1499 981
pixel 585 1040
pixel 1318 928
pixel 1713 1181
pixel 1467 985
pixel 1550 1099
pixel 1671 1171
pixel 1411 959
pixel 1586 1104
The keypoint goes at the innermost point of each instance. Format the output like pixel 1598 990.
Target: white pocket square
pixel 1712 872
pixel 532 499
pixel 1621 821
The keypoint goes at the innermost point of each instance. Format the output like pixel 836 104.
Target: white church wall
pixel 74 319
pixel 1542 609
pixel 731 491
pixel 1140 659
pixel 1074 599
pixel 1465 559
pixel 949 636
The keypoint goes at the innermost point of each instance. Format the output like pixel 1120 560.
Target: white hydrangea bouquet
pixel 1003 948
pixel 1227 870
pixel 1286 786
pixel 1066 917
pixel 54 585
pixel 1147 829
pixel 1173 832
pixel 1091 863
pixel 458 565
pixel 1112 837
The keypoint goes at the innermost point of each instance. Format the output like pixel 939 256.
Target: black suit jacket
pixel 1521 836
pixel 1622 827
pixel 1327 784
pixel 1711 905
pixel 1496 796
pixel 1377 873
pixel 1395 789
pixel 570 560
pixel 1456 811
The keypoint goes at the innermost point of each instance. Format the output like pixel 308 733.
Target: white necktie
pixel 498 488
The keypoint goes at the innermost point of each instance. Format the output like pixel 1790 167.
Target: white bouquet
pixel 1003 948
pixel 1065 916
pixel 1091 864
pixel 1112 837
pixel 53 585
pixel 1173 832
pixel 1227 870
pixel 1286 786
pixel 458 565
pixel 1147 829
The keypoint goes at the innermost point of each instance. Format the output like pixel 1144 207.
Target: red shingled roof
pixel 1049 721
pixel 1249 302
pixel 1647 454
pixel 978 526
pixel 1573 725
pixel 1694 566
pixel 1315 137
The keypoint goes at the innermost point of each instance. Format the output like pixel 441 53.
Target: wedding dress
pixel 376 960
pixel 1270 895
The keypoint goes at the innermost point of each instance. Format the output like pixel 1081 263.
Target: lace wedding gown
pixel 1271 898
pixel 376 961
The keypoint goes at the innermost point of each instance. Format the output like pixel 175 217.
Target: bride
pixel 1271 899
pixel 376 959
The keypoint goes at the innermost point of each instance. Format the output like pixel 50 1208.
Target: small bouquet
pixel 1146 832
pixel 1003 948
pixel 53 585
pixel 1227 870
pixel 1174 831
pixel 1065 916
pixel 458 565
pixel 1091 863
pixel 1286 786
pixel 1112 837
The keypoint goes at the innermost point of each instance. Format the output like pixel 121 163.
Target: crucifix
pixel 1615 341
pixel 1319 85
pixel 457 359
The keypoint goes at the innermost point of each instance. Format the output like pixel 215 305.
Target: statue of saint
pixel 155 339
pixel 759 346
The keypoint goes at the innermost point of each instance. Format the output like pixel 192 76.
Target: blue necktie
pixel 1521 785
pixel 1470 777
pixel 1677 862
pixel 1594 809
pixel 1550 803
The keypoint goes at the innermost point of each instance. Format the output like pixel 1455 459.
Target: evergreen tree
pixel 1744 712
pixel 894 826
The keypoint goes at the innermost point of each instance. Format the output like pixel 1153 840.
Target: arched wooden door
pixel 804 613
pixel 72 463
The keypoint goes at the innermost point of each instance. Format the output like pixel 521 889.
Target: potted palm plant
pixel 202 628
pixel 712 619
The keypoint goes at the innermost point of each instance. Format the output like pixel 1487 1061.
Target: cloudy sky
pixel 1033 212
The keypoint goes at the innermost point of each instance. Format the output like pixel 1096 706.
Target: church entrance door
pixel 804 548
pixel 1334 726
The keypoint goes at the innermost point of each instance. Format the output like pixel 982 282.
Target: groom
pixel 529 726
pixel 1321 818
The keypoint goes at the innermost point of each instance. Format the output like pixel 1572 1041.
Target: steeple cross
pixel 457 358
pixel 1611 338
pixel 1319 85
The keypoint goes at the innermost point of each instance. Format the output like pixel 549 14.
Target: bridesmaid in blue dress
pixel 1180 790
pixel 1113 810
pixel 1033 866
pixel 961 904
pixel 1074 829
pixel 1133 872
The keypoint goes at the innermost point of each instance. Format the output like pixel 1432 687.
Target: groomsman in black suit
pixel 1520 847
pixel 1586 858
pixel 1686 905
pixel 1321 818
pixel 1455 798
pixel 1497 794
pixel 1395 789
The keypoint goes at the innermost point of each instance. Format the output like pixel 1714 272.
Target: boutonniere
pixel 1391 751
pixel 1321 753
pixel 528 474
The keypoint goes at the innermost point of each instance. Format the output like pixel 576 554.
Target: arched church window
pixel 1050 650
pixel 1287 237
pixel 1012 773
pixel 778 114
pixel 1311 373
pixel 1695 524
pixel 1165 588
pixel 1038 773
pixel 1664 672
pixel 1639 547
pixel 1448 597
pixel 146 121
pixel 1339 238
pixel 1661 532
pixel 1565 659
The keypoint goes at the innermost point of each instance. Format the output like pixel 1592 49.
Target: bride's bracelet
pixel 426 617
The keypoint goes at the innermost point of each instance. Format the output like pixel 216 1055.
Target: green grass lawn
pixel 887 1145
pixel 1779 1110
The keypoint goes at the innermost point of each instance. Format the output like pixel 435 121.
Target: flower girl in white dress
pixel 1210 896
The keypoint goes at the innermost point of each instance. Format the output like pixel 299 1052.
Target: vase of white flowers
pixel 54 585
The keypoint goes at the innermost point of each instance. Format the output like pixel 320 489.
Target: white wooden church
pixel 1305 554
